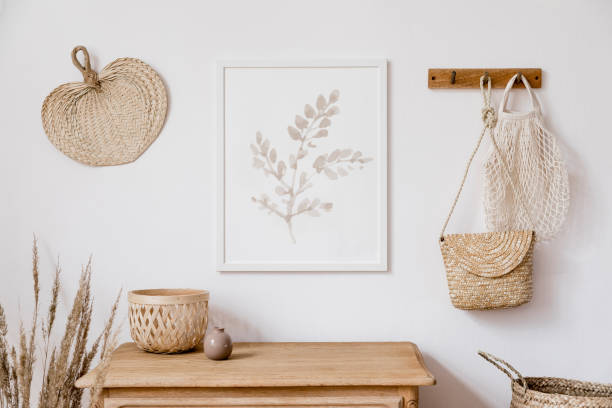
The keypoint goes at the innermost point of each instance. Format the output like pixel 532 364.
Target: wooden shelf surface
pixel 270 365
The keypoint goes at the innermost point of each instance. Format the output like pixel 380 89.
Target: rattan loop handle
pixel 502 365
pixel 90 77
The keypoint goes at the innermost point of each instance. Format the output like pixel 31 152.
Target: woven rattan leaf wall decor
pixel 107 119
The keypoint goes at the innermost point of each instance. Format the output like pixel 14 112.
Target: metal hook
pixel 453 75
pixel 519 76
pixel 486 78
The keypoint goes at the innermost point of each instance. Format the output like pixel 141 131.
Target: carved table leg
pixel 410 395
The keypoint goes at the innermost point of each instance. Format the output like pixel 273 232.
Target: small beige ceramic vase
pixel 217 344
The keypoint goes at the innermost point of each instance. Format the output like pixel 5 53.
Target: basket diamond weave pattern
pixel 173 327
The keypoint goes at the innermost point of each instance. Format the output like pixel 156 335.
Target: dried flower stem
pixel 61 367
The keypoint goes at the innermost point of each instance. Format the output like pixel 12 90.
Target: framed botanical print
pixel 302 165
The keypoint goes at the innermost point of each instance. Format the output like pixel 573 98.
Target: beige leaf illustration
pixel 303 205
pixel 334 110
pixel 321 103
pixel 282 168
pixel 325 123
pixel 319 162
pixel 294 133
pixel 330 173
pixel 334 156
pixel 334 96
pixel 300 122
pixel 258 164
pixel 339 163
pixel 309 111
pixel 345 153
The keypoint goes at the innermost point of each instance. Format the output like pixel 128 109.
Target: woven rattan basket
pixel 550 392
pixel 168 320
pixel 107 119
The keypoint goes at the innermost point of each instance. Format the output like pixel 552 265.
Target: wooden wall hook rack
pixel 456 78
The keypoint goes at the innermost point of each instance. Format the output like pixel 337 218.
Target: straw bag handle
pixel 489 119
pixel 504 367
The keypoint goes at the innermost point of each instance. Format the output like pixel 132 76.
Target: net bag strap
pixel 535 105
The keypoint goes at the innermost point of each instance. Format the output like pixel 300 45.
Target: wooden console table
pixel 268 375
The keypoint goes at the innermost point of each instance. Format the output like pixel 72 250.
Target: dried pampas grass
pixel 62 365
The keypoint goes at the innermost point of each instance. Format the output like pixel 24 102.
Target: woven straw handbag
pixel 107 119
pixel 550 392
pixel 488 270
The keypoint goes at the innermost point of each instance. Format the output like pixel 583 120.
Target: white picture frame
pixel 244 242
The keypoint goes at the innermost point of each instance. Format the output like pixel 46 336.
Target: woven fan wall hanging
pixel 107 119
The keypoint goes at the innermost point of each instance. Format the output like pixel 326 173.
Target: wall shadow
pixel 449 391
pixel 239 329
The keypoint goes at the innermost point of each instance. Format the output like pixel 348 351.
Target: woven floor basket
pixel 168 320
pixel 108 119
pixel 489 270
pixel 550 392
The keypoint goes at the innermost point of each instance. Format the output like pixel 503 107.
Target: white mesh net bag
pixel 536 167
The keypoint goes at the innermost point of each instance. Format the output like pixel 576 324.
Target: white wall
pixel 151 223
